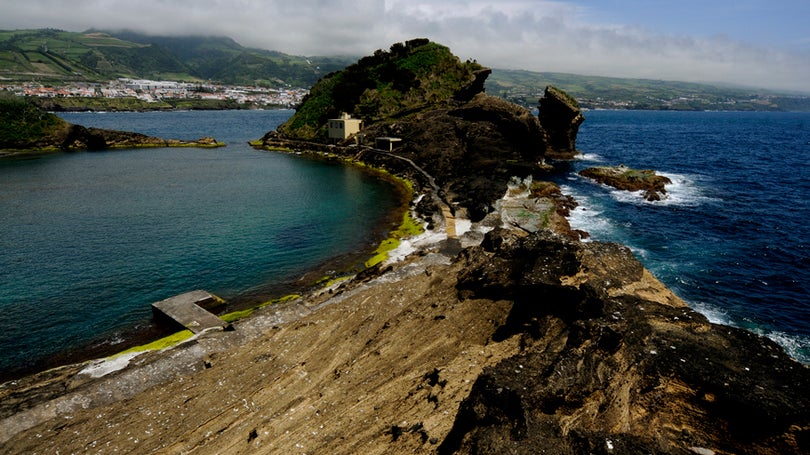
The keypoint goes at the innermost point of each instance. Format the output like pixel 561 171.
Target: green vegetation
pixel 408 228
pixel 594 92
pixel 57 56
pixel 98 103
pixel 162 343
pixel 22 123
pixel 376 85
pixel 235 315
pixel 410 74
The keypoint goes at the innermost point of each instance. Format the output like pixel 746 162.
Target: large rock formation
pixel 525 344
pixel 472 143
pixel 560 115
pixel 472 149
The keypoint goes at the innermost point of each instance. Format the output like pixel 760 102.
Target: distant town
pixel 155 91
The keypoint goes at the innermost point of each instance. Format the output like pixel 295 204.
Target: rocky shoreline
pixel 496 331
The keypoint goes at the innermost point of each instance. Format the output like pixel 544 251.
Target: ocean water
pixel 732 238
pixel 88 240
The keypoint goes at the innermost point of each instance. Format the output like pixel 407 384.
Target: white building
pixel 344 127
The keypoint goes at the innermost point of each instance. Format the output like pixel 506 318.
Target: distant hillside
pixel 594 92
pixel 223 59
pixel 56 56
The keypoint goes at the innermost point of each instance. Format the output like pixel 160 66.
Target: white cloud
pixel 536 35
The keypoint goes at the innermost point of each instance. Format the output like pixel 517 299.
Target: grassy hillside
pixel 410 74
pixel 54 55
pixel 223 59
pixel 525 87
pixel 58 56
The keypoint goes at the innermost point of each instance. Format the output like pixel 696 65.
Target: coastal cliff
pixel 497 331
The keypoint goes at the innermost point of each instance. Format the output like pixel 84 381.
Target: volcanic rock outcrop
pixel 652 185
pixel 560 116
pixel 614 363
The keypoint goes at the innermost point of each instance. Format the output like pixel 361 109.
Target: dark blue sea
pixel 732 238
pixel 88 240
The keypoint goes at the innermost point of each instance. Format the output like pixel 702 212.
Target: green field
pixel 59 56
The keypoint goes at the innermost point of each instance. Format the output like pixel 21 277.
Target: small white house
pixel 344 127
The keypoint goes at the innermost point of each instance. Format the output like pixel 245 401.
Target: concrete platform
pixel 185 309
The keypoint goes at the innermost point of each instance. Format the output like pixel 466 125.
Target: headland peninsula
pixel 26 129
pixel 497 330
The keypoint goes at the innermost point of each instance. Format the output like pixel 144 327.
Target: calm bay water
pixel 732 238
pixel 89 240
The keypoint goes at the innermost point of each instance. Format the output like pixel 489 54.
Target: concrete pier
pixel 186 310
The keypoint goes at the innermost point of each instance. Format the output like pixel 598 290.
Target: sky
pixel 764 44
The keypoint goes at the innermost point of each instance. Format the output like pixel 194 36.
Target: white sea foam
pixel 684 191
pixel 587 218
pixel 463 226
pixel 103 367
pixel 714 314
pixel 589 157
pixel 412 244
pixel 797 347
